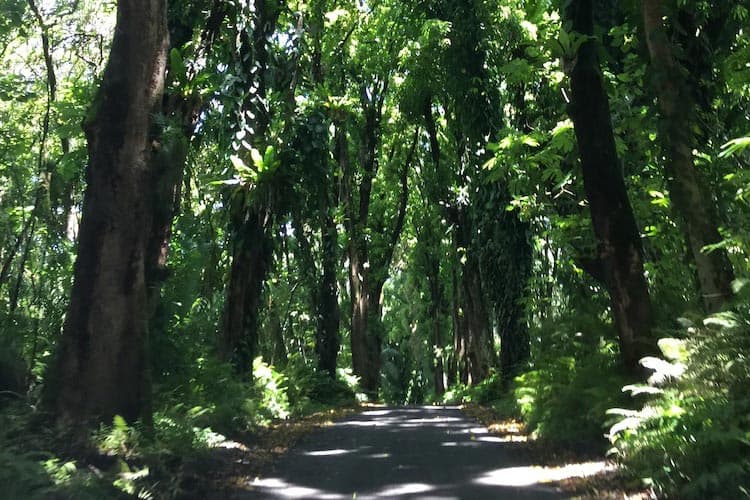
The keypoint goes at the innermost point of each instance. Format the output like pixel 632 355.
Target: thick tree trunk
pixel 620 250
pixel 688 191
pixel 251 261
pixel 327 338
pixel 431 255
pixel 168 165
pixel 508 254
pixel 475 321
pixel 101 368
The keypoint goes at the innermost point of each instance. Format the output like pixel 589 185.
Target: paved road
pixel 408 452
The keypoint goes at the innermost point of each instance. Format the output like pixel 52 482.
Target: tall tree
pixel 689 192
pixel 251 211
pixel 620 254
pixel 101 367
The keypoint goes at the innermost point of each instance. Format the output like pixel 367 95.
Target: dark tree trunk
pixel 327 338
pixel 251 260
pixel 506 255
pixel 168 163
pixel 688 190
pixel 101 367
pixel 431 256
pixel 459 365
pixel 252 215
pixel 477 322
pixel 620 251
pixel 433 282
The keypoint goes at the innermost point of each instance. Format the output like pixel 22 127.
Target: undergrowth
pixel 125 460
pixel 691 437
pixel 564 396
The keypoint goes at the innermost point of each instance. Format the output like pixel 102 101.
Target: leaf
pixel 334 15
pixel 257 158
pixel 673 349
pixel 227 182
pixel 734 146
pixel 119 423
pixel 721 320
pixel 177 66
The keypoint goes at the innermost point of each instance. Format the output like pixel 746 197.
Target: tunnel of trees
pixel 217 213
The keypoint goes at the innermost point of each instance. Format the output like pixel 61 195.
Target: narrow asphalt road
pixel 408 452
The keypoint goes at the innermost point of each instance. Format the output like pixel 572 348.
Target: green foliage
pixel 691 437
pixel 574 379
pixel 564 399
pixel 489 391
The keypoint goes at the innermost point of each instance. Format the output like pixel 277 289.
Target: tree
pixel 689 191
pixel 102 366
pixel 251 209
pixel 620 254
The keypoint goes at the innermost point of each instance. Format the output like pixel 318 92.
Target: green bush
pixel 691 438
pixel 564 399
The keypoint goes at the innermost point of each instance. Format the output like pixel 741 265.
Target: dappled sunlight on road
pixel 326 453
pixel 526 476
pixel 412 452
pixel 281 489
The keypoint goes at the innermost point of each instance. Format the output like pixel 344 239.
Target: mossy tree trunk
pixel 101 368
pixel 689 191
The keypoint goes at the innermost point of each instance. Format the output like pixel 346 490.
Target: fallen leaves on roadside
pixel 609 483
pixel 231 467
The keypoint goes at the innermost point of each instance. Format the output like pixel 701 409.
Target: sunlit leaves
pixel 734 146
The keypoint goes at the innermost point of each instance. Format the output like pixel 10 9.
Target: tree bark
pixel 101 367
pixel 327 337
pixel 620 250
pixel 689 192
pixel 251 259
pixel 252 219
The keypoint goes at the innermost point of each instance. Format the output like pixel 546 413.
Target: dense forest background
pixel 215 214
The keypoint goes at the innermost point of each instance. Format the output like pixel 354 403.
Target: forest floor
pixel 403 452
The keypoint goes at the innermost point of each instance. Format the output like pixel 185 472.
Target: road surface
pixel 407 452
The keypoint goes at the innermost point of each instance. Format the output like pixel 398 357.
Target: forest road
pixel 405 452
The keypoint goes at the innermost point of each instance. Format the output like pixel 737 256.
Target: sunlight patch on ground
pixel 283 489
pixel 449 443
pixel 376 413
pixel 500 439
pixel 526 476
pixel 232 445
pixel 404 489
pixel 475 430
pixel 326 453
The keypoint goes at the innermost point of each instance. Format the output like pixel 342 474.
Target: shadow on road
pixel 409 452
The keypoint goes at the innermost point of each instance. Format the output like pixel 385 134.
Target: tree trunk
pixel 101 367
pixel 252 219
pixel 688 190
pixel 251 259
pixel 433 282
pixel 327 339
pixel 620 250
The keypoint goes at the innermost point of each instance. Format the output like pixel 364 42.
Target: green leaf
pixel 734 146
pixel 177 66
pixel 673 349
pixel 257 159
pixel 119 423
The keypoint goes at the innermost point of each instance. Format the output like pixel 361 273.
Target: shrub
pixel 691 438
pixel 564 399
